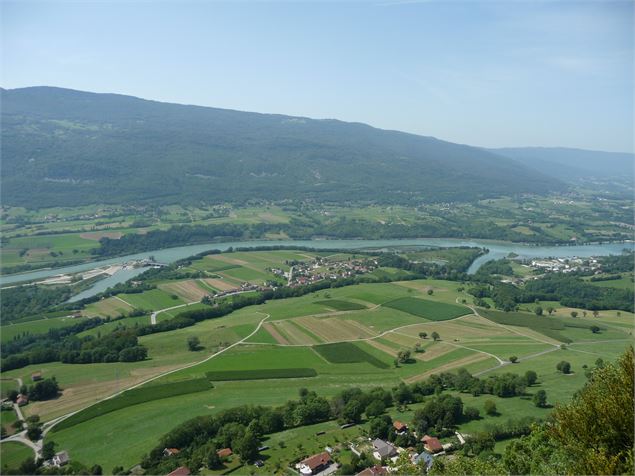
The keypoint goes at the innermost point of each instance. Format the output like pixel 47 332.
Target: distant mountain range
pixel 573 164
pixel 62 148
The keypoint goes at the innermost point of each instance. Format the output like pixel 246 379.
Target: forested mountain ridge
pixel 65 147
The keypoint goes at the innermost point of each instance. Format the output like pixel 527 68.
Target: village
pixel 565 265
pixel 382 456
pixel 302 273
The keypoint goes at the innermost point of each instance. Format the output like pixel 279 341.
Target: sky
pixel 490 74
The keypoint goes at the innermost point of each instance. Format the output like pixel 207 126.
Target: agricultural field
pixel 152 300
pixel 40 326
pixel 12 454
pixel 323 341
pixel 433 311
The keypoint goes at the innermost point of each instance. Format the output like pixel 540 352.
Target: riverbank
pixel 497 250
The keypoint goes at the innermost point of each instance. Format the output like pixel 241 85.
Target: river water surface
pixel 496 249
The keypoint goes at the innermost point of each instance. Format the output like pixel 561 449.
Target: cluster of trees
pixel 242 428
pixel 453 270
pixel 569 290
pixel 43 390
pixel 501 385
pixel 23 301
pixel 593 434
pixel 442 411
pixel 178 235
pixel 64 345
pixel 498 267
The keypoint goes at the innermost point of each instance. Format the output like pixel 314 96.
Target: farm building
pixel 171 451
pixel 60 459
pixel 400 428
pixel 36 376
pixel 314 464
pixel 224 453
pixel 432 444
pixel 382 449
pixel 374 471
pixel 22 400
pixel 181 471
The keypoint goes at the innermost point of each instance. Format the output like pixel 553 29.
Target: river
pixel 497 250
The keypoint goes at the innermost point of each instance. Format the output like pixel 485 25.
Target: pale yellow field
pixel 189 290
pixel 269 327
pixel 220 284
pixel 296 336
pixel 111 306
pixel 470 359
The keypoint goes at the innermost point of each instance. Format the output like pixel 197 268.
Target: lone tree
pixel 490 407
pixel 540 399
pixel 435 336
pixel 594 329
pixel 513 359
pixel 538 311
pixel 531 377
pixel 403 356
pixel 574 313
pixel 596 313
pixel 550 310
pixel 430 292
pixel 564 367
pixel 193 343
pixel 423 335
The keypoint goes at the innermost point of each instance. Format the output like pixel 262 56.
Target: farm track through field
pixel 471 359
pixel 51 424
pixel 510 328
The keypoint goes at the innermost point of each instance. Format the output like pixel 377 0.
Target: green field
pixel 152 300
pixel 135 397
pixel 433 311
pixel 340 305
pixel 558 328
pixel 7 418
pixel 40 326
pixel 12 454
pixel 259 374
pixel 347 353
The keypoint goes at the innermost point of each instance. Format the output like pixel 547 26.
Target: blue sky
pixel 494 74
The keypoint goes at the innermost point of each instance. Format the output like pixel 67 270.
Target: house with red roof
pixel 400 428
pixel 224 453
pixel 314 464
pixel 181 471
pixel 432 444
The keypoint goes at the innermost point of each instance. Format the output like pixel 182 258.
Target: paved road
pixel 153 316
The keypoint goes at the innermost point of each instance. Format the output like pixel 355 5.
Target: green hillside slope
pixel 65 147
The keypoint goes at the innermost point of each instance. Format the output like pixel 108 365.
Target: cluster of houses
pixel 302 273
pixel 384 452
pixel 566 265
